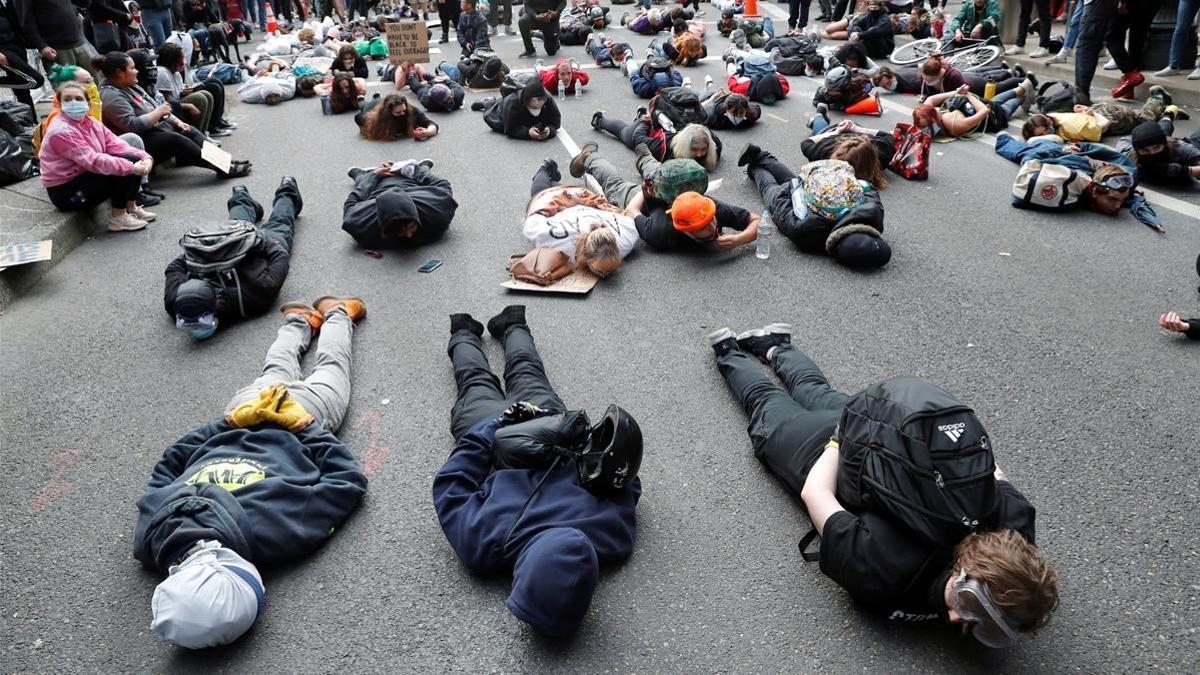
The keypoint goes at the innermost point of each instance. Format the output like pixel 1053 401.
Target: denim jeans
pixel 1073 24
pixel 1184 17
pixel 1008 102
pixel 1093 31
pixel 158 24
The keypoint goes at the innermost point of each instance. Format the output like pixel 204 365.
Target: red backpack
pixel 910 152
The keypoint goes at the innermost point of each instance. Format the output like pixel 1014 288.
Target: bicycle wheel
pixel 977 57
pixel 915 51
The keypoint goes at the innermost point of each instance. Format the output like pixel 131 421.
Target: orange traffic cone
pixel 751 8
pixel 272 24
pixel 867 106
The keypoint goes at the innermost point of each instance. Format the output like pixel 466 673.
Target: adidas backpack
pixel 1048 187
pixel 680 105
pixel 915 454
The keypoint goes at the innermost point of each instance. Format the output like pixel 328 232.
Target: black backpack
pixel 914 453
pixel 210 251
pixel 1056 96
pixel 680 105
pixel 514 82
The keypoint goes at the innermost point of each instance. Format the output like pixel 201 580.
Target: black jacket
pixel 717 119
pixel 813 233
pixel 100 11
pixel 424 198
pixel 510 116
pixel 655 228
pixel 259 277
pixel 422 89
pixel 539 6
pixel 822 146
pixel 875 31
pixel 52 23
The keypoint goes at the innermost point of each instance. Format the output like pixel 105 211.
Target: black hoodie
pixel 389 201
pixel 510 115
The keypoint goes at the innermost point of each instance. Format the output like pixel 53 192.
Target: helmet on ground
pixel 615 455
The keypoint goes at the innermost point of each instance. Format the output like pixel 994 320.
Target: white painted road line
pixel 567 142
pixel 774 116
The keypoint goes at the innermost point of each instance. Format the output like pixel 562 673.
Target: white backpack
pixel 1050 187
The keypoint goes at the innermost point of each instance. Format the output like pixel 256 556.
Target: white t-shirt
pixel 257 89
pixel 559 231
pixel 169 82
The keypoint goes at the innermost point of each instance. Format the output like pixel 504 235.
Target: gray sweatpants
pixel 617 190
pixel 325 394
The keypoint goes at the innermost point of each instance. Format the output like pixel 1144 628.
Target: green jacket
pixel 968 17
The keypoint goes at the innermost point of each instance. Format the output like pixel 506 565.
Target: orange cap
pixel 692 212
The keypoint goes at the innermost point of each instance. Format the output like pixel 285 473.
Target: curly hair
pixel 1019 580
pixel 379 124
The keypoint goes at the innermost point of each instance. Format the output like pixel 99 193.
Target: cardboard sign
pixel 579 282
pixel 407 41
pixel 210 153
pixel 12 255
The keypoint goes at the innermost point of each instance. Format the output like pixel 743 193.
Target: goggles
pixel 205 320
pixel 973 602
pixel 1119 182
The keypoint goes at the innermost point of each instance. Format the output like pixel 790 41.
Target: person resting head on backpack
pixel 392 117
pixel 234 270
pixel 867 150
pixel 398 205
pixel 825 209
pixel 896 555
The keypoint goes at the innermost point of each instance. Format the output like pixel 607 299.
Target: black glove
pixel 533 444
pixel 520 412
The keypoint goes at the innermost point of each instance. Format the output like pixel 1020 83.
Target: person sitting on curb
pixel 266 484
pixel 530 489
pixel 825 209
pixel 234 271
pixel 398 205
pixel 528 114
pixel 990 576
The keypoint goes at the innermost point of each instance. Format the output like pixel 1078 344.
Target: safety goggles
pixel 206 320
pixel 973 602
pixel 1119 182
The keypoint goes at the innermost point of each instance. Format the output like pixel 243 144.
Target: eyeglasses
pixel 973 602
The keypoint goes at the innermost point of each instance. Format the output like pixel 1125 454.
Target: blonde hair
pixel 681 145
pixel 306 35
pixel 597 250
pixel 1020 581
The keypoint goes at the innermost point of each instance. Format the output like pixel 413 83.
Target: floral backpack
pixel 827 188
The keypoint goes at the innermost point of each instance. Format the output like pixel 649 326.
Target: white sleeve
pixel 627 234
pixel 538 231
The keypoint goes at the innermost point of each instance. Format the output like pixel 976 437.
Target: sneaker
pixel 1159 92
pixel 1029 90
pixel 508 30
pixel 722 341
pixel 687 82
pixel 427 163
pixel 210 139
pixel 539 65
pixel 126 222
pixel 625 19
pixel 750 155
pixel 1168 72
pixel 1013 49
pixel 639 112
pixel 492 31
pixel 1111 65
pixel 513 315
pixel 763 341
pixel 146 199
pixel 219 132
pixel 551 168
pixel 142 214
pixel 227 124
pixel 596 119
pixel 461 322
pixel 355 308
pixel 1018 71
pixel 1195 74
pixel 311 316
pixel 1062 56
pixel 708 82
pixel 1032 79
pixel 578 165
pixel 528 53
pixel 1040 52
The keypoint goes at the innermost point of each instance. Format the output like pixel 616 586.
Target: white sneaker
pixel 1014 49
pixel 1169 72
pixel 1195 74
pixel 708 81
pixel 508 30
pixel 1061 57
pixel 142 214
pixel 687 82
pixel 1111 65
pixel 1039 53
pixel 125 223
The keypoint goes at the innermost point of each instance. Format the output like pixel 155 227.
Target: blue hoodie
pixel 559 542
pixel 269 494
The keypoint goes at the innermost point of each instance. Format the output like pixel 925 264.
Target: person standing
pixel 52 28
pixel 1132 19
pixel 448 11
pixel 1185 30
pixel 110 22
pixel 157 20
pixel 1044 19
pixel 541 15
pixel 798 14
pixel 15 71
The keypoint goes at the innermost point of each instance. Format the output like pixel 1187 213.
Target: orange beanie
pixel 692 212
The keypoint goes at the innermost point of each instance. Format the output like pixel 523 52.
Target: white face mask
pixel 735 119
pixel 536 112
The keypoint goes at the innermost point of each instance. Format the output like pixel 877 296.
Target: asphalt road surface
pixel 1044 323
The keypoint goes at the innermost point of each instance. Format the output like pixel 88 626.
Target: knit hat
pixel 692 212
pixel 194 298
pixel 1147 134
pixel 859 247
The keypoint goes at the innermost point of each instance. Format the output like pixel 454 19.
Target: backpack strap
pixel 807 543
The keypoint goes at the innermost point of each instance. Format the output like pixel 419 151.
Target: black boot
pixel 513 315
pixel 461 322
pixel 289 187
pixel 750 155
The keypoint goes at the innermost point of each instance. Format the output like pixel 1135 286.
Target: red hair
pixel 925 115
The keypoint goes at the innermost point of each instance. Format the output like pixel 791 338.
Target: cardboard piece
pixel 578 282
pixel 216 156
pixel 407 41
pixel 321 64
pixel 22 253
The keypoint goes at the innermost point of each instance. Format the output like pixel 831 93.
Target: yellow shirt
pixel 1077 126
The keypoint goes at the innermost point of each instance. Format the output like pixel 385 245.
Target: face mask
pixel 891 87
pixel 76 110
pixel 536 112
pixel 735 119
pixel 1156 158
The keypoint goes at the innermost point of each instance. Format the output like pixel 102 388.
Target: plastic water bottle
pixel 326 105
pixel 562 90
pixel 766 228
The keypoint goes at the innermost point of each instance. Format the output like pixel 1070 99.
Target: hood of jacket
pixel 192 513
pixel 394 207
pixel 533 89
pixel 554 578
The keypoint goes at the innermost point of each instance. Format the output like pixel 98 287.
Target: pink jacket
pixel 72 148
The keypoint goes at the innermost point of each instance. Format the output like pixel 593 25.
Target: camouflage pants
pixel 1125 118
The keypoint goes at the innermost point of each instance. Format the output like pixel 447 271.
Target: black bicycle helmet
pixel 836 78
pixel 615 456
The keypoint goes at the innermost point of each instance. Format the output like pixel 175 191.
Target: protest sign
pixel 407 41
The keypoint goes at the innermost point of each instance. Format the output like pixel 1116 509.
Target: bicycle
pixel 966 55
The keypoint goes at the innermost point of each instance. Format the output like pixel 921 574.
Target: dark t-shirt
pixel 886 569
pixel 656 229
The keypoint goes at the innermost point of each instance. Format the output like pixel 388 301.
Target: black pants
pixel 87 190
pixel 541 181
pixel 1093 30
pixel 623 132
pixel 501 13
pixel 448 12
pixel 1043 9
pixel 163 145
pixel 1136 24
pixel 774 181
pixel 788 429
pixel 798 13
pixel 528 23
pixel 839 10
pixel 17 63
pixel 280 225
pixel 479 394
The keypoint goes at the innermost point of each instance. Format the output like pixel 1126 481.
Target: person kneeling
pixel 233 271
pixel 530 488
pixel 398 205
pixel 825 209
pixel 266 484
pixel 915 519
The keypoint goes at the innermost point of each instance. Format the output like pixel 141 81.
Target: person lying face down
pixel 398 205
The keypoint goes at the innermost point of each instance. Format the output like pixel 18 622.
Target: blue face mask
pixel 202 333
pixel 76 110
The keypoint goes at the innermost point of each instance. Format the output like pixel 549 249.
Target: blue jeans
pixel 157 23
pixel 1185 14
pixel 819 123
pixel 1008 102
pixel 1073 24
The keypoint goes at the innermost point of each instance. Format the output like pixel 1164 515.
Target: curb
pixel 28 216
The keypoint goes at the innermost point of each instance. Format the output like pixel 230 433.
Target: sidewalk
pixel 27 215
pixel 1185 92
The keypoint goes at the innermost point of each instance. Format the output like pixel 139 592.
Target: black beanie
pixel 195 297
pixel 862 251
pixel 1146 134
pixel 491 67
